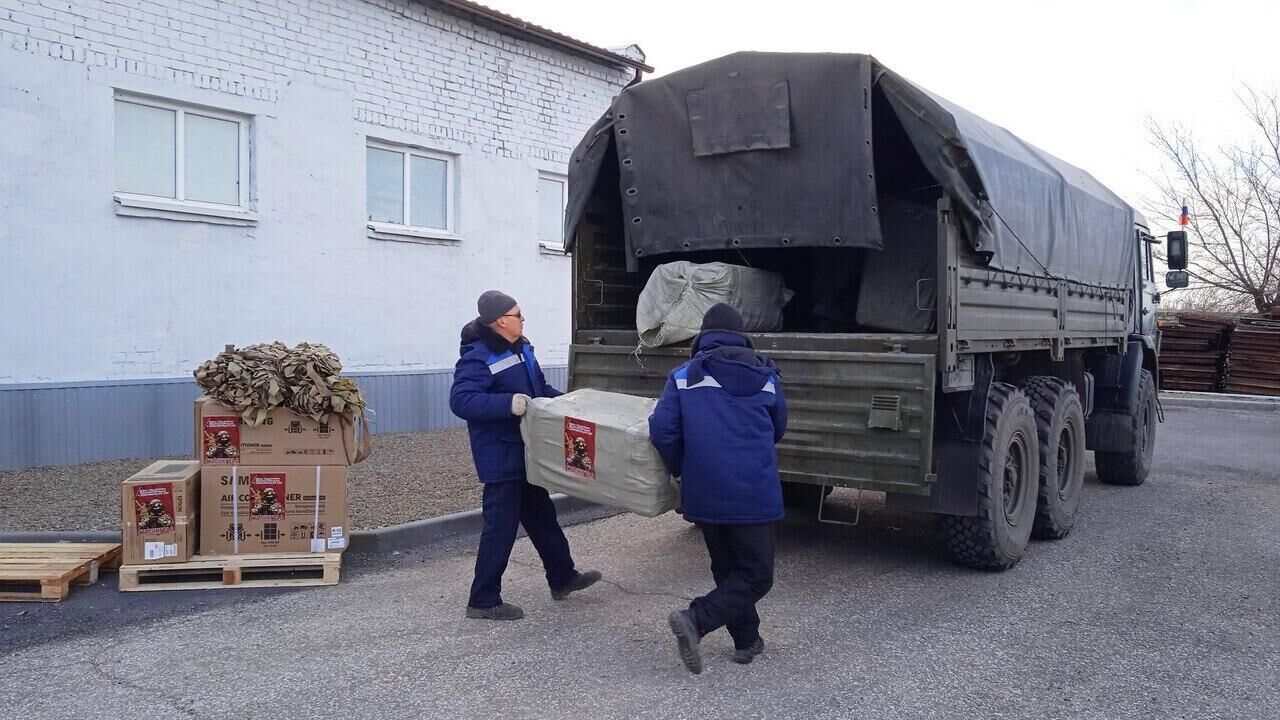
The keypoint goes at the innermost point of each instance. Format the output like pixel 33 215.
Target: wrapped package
pixel 594 445
pixel 678 294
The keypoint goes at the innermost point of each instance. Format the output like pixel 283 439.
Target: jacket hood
pixel 477 332
pixel 712 339
pixel 730 358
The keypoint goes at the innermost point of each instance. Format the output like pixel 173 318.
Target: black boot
pixel 744 656
pixel 582 582
pixel 505 611
pixel 686 632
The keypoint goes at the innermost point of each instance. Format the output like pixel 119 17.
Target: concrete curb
pixel 405 536
pixel 1219 401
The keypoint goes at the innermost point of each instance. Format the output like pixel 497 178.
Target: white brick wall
pixel 106 296
pixel 408 66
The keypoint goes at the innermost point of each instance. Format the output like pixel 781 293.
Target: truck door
pixel 1149 297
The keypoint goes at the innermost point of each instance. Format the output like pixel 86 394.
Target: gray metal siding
pixel 71 423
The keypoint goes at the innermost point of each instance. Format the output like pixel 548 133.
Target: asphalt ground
pixel 1163 603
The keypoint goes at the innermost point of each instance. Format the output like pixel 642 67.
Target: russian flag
pixel 1185 217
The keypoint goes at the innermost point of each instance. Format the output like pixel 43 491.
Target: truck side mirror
pixel 1177 279
pixel 1177 253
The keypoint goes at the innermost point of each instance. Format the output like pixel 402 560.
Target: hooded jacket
pixel 716 426
pixel 490 371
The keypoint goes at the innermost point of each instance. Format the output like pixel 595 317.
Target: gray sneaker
pixel 505 611
pixel 582 582
pixel 744 656
pixel 687 637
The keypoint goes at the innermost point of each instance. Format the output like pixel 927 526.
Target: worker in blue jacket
pixel 493 381
pixel 716 427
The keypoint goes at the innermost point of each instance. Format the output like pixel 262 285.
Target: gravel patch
pixel 409 477
pixel 414 476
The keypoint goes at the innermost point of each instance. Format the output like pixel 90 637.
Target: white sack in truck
pixel 595 446
pixel 678 294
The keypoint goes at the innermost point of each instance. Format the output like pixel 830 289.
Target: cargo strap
pixel 235 509
pixel 360 428
pixel 315 521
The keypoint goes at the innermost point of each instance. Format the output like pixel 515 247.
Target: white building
pixel 176 175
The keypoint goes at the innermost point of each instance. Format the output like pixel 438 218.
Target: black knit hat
pixel 493 304
pixel 722 317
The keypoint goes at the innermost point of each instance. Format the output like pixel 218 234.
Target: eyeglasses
pixel 518 316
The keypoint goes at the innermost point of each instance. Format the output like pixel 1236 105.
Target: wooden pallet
pixel 208 572
pixel 45 572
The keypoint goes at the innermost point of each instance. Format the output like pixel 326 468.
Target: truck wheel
pixel 1060 427
pixel 1008 474
pixel 1131 467
pixel 802 495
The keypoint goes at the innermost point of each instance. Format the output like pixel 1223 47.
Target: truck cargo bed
pixel 861 406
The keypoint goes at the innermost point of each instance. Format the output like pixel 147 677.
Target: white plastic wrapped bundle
pixel 678 294
pixel 595 446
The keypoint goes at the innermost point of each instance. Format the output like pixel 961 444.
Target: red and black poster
pixel 220 440
pixel 153 506
pixel 580 448
pixel 266 496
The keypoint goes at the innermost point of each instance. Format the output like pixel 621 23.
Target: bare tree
pixel 1234 194
pixel 1206 299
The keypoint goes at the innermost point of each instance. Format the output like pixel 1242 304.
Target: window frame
pixel 380 228
pixel 179 203
pixel 553 248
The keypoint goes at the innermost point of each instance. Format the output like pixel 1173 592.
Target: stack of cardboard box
pixel 289 476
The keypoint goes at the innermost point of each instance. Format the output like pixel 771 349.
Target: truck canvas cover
pixel 767 150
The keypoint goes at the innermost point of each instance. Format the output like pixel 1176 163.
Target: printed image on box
pixel 220 439
pixel 580 448
pixel 153 505
pixel 266 496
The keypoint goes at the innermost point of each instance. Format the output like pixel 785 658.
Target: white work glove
pixel 519 404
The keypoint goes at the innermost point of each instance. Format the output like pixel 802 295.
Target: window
pixel 1145 269
pixel 180 158
pixel 409 191
pixel 553 193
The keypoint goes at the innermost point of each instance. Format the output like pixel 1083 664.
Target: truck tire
pixel 1007 478
pixel 803 496
pixel 1131 466
pixel 1060 428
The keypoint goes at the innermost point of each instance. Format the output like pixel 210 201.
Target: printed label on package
pixel 266 496
pixel 580 448
pixel 220 444
pixel 153 507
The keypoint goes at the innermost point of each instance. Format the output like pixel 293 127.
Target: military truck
pixel 970 313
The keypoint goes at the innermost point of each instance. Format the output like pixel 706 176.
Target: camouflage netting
pixel 311 373
pixel 257 378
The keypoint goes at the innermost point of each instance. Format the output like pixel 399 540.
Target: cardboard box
pixel 274 509
pixel 159 513
pixel 286 438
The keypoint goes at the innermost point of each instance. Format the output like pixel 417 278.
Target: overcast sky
pixel 1075 78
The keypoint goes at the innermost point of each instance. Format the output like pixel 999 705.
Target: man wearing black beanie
pixel 494 379
pixel 716 426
